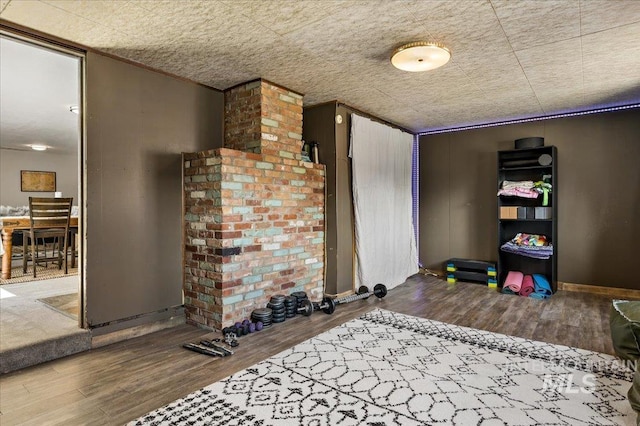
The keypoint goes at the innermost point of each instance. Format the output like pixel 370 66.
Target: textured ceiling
pixel 511 59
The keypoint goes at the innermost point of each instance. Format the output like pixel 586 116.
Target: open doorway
pixel 41 132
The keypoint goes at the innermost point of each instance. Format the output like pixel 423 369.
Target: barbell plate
pixel 328 305
pixel 363 289
pixel 380 290
pixel 306 308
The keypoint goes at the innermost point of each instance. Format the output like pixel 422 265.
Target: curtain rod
pixel 374 118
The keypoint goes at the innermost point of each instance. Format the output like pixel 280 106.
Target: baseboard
pixel 141 330
pixel 612 292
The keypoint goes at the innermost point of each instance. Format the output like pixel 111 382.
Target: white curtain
pixel 385 242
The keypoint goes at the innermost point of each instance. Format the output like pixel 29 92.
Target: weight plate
pixel 262 311
pixel 272 306
pixel 262 319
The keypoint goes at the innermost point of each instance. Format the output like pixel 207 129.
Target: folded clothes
pixel 535 252
pixel 524 189
pixel 524 239
pixel 545 189
pixel 519 192
pixel 525 184
pixel 530 245
pixel 513 281
pixel 527 286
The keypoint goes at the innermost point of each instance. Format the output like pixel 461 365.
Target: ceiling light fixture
pixel 39 147
pixel 420 56
pixel 74 109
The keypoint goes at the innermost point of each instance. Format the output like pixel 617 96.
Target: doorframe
pixel 38 40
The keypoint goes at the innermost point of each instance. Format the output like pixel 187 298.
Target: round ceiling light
pixel 420 56
pixel 39 147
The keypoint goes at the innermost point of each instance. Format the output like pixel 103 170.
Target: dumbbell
pixel 379 290
pixel 328 306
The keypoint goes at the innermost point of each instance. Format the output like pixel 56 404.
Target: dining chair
pixel 49 220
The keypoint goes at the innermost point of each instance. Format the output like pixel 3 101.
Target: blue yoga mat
pixel 542 288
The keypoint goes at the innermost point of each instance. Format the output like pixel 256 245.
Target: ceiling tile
pixel 49 19
pixel 466 28
pixel 533 23
pixel 362 32
pixel 285 17
pixel 598 15
pixel 554 70
pixel 502 74
pixel 612 63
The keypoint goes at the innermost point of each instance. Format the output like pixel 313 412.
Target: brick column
pixel 254 217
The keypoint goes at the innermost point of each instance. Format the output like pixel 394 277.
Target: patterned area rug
pixel 387 368
pixel 42 273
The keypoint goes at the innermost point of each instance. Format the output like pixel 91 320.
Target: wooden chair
pixel 49 219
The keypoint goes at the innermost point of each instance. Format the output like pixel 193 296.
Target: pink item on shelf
pixel 514 281
pixel 527 286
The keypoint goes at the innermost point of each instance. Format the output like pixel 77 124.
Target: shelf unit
pixel 520 165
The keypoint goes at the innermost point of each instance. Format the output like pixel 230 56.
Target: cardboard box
pixel 508 212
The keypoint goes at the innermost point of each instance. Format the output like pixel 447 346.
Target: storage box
pixel 526 213
pixel 543 213
pixel 509 212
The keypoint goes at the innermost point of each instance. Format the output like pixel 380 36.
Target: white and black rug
pixel 387 368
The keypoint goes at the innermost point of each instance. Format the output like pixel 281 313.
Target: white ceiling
pixel 37 88
pixel 511 58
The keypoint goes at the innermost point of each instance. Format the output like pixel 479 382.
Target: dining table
pixel 8 225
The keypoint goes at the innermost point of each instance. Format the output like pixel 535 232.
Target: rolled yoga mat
pixel 542 288
pixel 514 281
pixel 527 286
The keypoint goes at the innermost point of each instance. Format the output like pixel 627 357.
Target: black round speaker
pixel 533 142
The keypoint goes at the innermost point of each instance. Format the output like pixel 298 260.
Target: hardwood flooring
pixel 120 382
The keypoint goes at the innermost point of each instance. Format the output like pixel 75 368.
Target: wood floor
pixel 118 383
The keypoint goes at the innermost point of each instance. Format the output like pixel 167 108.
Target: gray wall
pixel 598 186
pixel 138 124
pixel 12 162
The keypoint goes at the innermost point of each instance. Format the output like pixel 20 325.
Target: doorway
pixel 41 127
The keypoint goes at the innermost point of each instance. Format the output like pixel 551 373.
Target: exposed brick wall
pixel 254 218
pixel 261 117
pixel 242 114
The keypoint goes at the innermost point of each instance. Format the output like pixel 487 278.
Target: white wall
pixel 12 161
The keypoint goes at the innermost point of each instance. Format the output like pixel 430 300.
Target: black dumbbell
pixel 328 306
pixel 306 308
